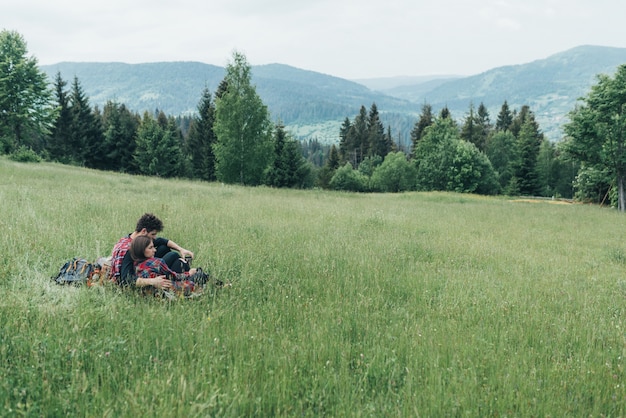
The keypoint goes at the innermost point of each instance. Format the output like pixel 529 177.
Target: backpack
pixel 78 271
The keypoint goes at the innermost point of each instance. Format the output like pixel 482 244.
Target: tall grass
pixel 417 304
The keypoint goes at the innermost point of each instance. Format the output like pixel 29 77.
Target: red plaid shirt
pixel 119 251
pixel 153 267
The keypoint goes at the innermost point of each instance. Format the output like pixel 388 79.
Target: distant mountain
pixel 174 87
pixel 301 97
pixel 310 104
pixel 551 86
pixel 389 84
pixel 313 105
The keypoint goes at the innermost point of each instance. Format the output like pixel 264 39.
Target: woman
pixel 153 271
pixel 122 270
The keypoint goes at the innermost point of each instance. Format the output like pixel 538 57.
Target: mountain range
pixel 313 105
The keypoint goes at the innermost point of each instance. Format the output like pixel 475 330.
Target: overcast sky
pixel 346 38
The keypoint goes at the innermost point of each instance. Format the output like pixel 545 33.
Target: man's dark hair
pixel 150 222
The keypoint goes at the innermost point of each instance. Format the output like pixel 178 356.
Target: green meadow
pixel 358 305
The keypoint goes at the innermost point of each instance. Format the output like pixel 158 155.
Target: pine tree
pixel 290 169
pixel 87 141
pixel 360 137
pixel 346 142
pixel 520 118
pixel 526 172
pixel 161 119
pixel 484 123
pixel 148 137
pixel 377 142
pixel 221 89
pixel 469 130
pixel 201 139
pixel 333 158
pixel 278 174
pixel 315 152
pixel 476 127
pixel 425 120
pixel 178 158
pixel 392 146
pixel 120 130
pixel 158 151
pixel 483 116
pixel 58 144
pixel 328 170
pixel 505 118
pixel 529 138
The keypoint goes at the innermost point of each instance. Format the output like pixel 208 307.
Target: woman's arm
pixel 160 282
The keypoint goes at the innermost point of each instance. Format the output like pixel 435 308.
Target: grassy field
pixel 418 304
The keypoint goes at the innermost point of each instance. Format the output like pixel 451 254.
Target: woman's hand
pixel 161 282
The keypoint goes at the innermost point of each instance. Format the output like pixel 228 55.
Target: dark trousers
pixel 171 258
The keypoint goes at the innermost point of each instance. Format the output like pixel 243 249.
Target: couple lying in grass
pixel 154 264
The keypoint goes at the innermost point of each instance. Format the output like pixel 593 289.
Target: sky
pixel 351 39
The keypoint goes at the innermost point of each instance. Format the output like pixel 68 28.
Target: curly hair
pixel 138 247
pixel 150 222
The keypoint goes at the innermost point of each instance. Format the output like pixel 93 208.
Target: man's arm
pixel 183 252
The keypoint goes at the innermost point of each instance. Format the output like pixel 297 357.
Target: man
pixel 122 270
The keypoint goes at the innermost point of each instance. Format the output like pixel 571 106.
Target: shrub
pixel 25 155
pixel 592 184
pixel 395 174
pixel 349 180
pixel 445 162
pixel 370 164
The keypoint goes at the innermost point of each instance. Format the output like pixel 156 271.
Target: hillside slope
pixel 549 86
pixel 175 87
pixel 312 104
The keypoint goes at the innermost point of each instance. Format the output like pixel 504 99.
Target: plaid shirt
pixel 153 267
pixel 119 251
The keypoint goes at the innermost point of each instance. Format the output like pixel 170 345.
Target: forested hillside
pixel 238 136
pixel 549 86
pixel 313 105
pixel 173 87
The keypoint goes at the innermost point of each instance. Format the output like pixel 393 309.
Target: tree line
pixel 232 139
pixel 510 156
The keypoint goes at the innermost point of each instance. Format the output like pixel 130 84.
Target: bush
pixel 395 174
pixel 25 155
pixel 445 162
pixel 370 164
pixel 592 185
pixel 348 179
